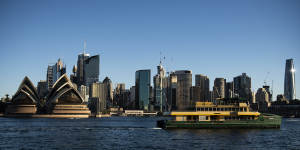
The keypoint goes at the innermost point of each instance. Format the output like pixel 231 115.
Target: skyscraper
pixel 80 68
pixel 184 84
pixel 195 94
pixel 87 69
pixel 109 91
pixel 91 70
pixel 219 88
pixel 289 80
pixel 142 89
pixel 203 82
pixel 98 91
pixel 229 90
pixel 160 88
pixel 54 72
pixel 171 96
pixel 242 87
pixel 42 88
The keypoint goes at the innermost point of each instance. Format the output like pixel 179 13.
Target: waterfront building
pixel 160 88
pixel 281 98
pixel 96 105
pixel 285 107
pixel 142 89
pixel 171 92
pixel 203 82
pixel 289 80
pixel 123 99
pixel 131 104
pixel 195 94
pixel 229 90
pixel 262 99
pixel 99 90
pixel 219 88
pixel 84 91
pixel 242 87
pixel 42 88
pixel 119 88
pixel 109 91
pixel 184 84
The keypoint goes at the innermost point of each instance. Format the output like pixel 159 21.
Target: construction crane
pixel 265 80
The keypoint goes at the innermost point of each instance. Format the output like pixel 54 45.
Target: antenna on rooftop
pixel 265 80
pixel 84 47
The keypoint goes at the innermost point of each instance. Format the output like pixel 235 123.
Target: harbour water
pixel 137 133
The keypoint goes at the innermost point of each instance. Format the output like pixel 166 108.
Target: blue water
pixel 137 133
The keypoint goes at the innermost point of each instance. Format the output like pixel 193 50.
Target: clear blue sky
pixel 215 38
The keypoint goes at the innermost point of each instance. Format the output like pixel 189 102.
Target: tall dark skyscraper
pixel 80 68
pixel 87 69
pixel 184 84
pixel 142 89
pixel 242 87
pixel 203 82
pixel 229 90
pixel 219 88
pixel 91 70
pixel 289 80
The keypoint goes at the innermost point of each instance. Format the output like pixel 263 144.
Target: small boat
pixel 210 115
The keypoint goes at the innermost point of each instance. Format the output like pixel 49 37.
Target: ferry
pixel 211 115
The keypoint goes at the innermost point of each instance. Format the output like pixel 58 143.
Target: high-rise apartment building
pixel 289 80
pixel 184 84
pixel 142 89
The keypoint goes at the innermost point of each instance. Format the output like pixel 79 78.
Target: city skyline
pixel 185 49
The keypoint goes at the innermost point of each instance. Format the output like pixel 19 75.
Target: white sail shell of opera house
pixel 65 101
pixel 25 99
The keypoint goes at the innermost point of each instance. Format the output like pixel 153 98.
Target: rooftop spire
pixel 84 47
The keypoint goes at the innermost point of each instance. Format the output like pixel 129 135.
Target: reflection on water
pixel 137 133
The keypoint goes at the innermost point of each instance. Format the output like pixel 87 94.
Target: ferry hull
pixel 271 121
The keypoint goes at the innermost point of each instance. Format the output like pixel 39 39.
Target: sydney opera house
pixel 62 101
